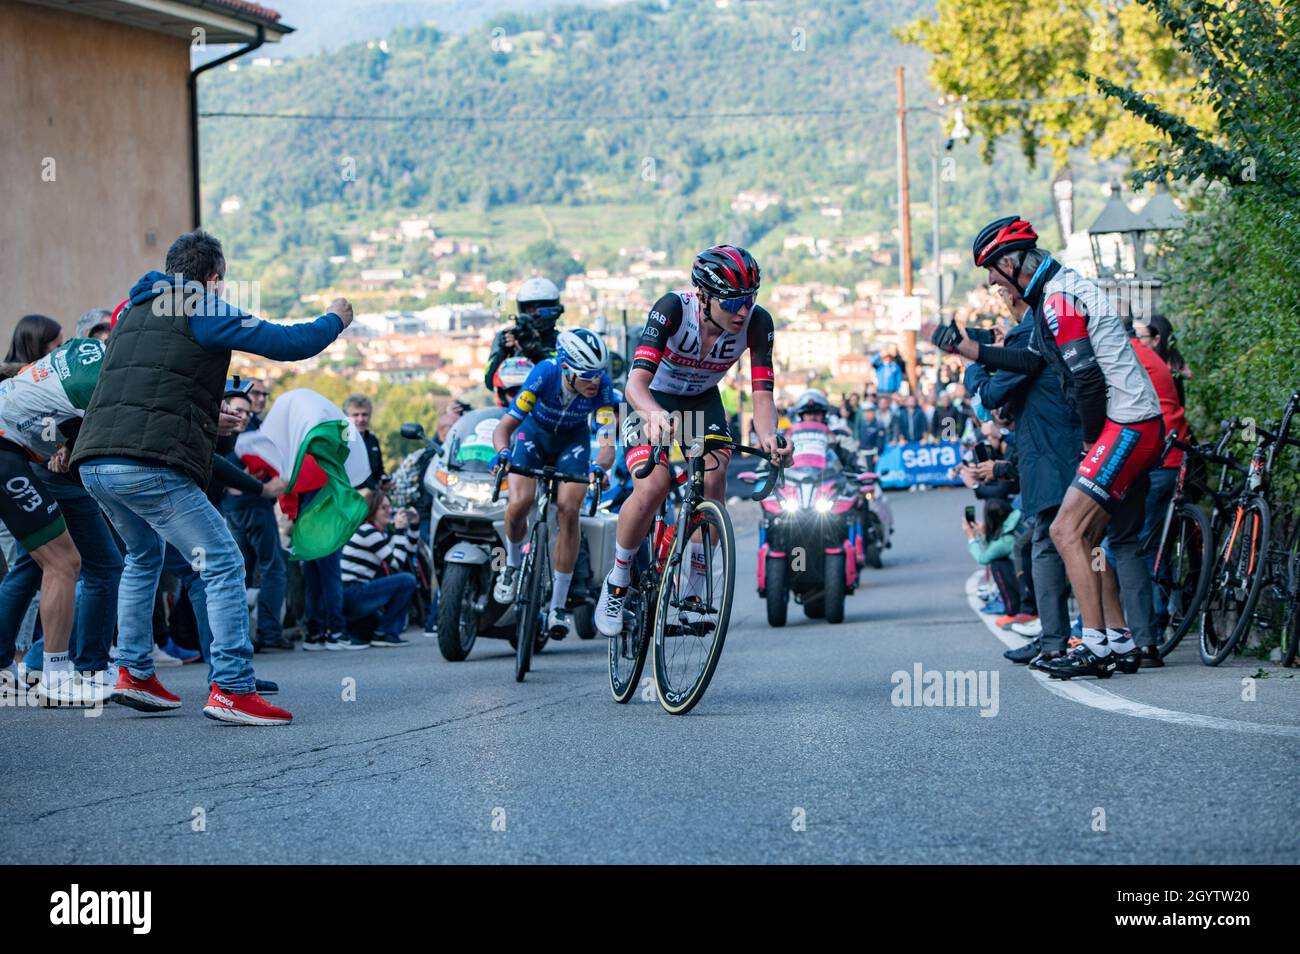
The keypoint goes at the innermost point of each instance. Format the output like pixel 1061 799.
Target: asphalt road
pixel 797 754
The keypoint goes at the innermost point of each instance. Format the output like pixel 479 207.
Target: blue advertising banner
pixel 905 465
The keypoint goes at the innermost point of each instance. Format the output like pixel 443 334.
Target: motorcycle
pixel 876 517
pixel 465 545
pixel 809 537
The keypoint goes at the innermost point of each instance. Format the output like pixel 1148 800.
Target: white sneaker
pixel 559 622
pixel 1030 630
pixel 609 608
pixel 162 660
pixel 74 691
pixel 507 585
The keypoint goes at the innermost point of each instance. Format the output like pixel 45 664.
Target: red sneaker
pixel 1025 618
pixel 146 695
pixel 244 708
pixel 1005 621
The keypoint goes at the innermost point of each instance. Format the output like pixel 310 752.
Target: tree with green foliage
pixel 1006 50
pixel 1235 292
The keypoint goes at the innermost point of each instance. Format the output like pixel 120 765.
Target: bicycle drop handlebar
pixel 549 475
pixel 773 476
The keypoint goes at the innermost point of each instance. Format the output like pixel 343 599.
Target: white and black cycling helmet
pixel 810 402
pixel 581 352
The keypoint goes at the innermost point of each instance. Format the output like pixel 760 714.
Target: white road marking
pixel 1098 698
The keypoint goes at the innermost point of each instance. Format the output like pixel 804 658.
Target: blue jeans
pixel 1163 481
pixel 252 524
pixel 151 505
pixel 192 583
pixel 322 583
pixel 101 570
pixel 389 596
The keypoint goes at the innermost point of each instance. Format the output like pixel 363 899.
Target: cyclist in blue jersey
pixel 548 424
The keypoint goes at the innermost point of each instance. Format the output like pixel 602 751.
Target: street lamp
pixel 959 132
pixel 1116 239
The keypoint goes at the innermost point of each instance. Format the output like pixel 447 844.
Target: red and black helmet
pixel 1012 234
pixel 725 271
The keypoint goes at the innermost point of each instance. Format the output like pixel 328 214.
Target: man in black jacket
pixel 145 454
pixel 1049 442
pixel 534 334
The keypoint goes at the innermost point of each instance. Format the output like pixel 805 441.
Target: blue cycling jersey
pixel 552 406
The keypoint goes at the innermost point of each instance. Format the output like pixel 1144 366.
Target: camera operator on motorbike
pixel 813 407
pixel 552 415
pixel 691 339
pixel 533 335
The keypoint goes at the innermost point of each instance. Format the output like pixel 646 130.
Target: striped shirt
pixel 373 552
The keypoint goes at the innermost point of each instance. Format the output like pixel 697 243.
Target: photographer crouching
pixel 533 335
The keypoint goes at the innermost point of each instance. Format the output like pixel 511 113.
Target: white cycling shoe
pixel 559 623
pixel 609 609
pixel 507 585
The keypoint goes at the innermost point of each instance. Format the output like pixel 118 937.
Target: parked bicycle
pixel 535 574
pixel 1252 562
pixel 1185 556
pixel 683 609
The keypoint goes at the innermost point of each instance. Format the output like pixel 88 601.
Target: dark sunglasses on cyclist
pixel 734 306
pixel 583 375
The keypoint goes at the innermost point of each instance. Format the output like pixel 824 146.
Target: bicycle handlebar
pixel 774 475
pixel 547 474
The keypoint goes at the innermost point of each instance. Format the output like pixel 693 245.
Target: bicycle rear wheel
pixel 627 651
pixel 1183 571
pixel 1238 579
pixel 693 607
pixel 529 608
pixel 1291 619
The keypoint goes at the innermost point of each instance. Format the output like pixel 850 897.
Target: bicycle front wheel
pixel 1183 571
pixel 529 604
pixel 693 607
pixel 627 650
pixel 1238 579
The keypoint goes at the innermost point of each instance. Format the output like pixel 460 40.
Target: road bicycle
pixel 1254 560
pixel 681 599
pixel 534 588
pixel 1181 575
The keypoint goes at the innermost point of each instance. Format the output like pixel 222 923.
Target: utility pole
pixel 905 229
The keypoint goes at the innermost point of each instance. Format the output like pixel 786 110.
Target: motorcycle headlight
pixel 789 505
pixel 822 506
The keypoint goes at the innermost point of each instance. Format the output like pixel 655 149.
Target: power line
pixel 470 118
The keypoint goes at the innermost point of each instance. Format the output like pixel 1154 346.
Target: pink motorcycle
pixel 809 540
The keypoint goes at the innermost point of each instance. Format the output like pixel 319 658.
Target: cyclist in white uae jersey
pixel 686 348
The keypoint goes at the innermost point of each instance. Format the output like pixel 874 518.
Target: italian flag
pixel 309 442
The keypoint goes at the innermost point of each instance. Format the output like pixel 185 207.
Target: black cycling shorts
pixel 27 508
pixel 701 421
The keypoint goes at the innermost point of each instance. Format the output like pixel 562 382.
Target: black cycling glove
pixel 946 338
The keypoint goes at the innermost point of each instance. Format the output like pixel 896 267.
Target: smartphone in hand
pixel 970 515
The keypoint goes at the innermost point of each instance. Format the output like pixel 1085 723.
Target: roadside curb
pixel 1095 697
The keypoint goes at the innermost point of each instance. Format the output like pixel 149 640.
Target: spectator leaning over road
pixel 991 544
pixel 145 454
pixel 33 338
pixel 359 410
pixel 40 411
pixel 228 478
pixel 1048 444
pixel 910 424
pixel 376 569
pixel 1079 338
